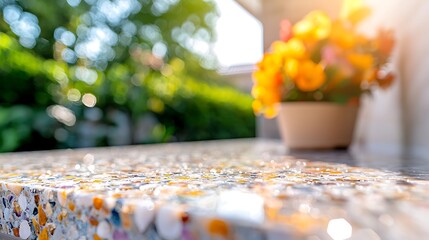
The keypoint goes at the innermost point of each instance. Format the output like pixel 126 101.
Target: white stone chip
pixel 24 230
pixel 144 214
pixel 84 200
pixel 241 206
pixel 6 213
pixel 168 223
pixel 22 201
pixel 104 230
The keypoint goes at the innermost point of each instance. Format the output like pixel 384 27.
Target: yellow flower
pixel 354 11
pixel 265 100
pixel 267 78
pixel 267 95
pixel 257 106
pixel 315 26
pixel 291 67
pixel 361 61
pixel 270 112
pixel 270 61
pixel 296 48
pixel 310 76
pixel 293 48
pixel 278 47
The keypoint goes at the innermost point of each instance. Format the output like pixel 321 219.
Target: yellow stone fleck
pixel 44 234
pixel 194 193
pixel 60 217
pixel 16 207
pixel 242 180
pixel 62 198
pixel 36 225
pixel 42 216
pixel 48 209
pixel 183 178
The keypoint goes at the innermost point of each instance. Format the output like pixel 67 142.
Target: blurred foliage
pixel 99 72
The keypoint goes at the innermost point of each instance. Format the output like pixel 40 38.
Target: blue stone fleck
pixel 116 220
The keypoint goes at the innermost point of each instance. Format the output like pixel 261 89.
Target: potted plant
pixel 317 71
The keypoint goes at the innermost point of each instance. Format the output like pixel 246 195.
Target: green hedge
pixel 183 108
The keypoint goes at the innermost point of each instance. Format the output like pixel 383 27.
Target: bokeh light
pixel 339 229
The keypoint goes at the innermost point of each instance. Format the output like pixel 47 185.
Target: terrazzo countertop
pixel 234 189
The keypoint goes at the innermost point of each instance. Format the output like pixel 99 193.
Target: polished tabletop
pixel 230 189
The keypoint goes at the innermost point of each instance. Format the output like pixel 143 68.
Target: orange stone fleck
pixel 218 227
pixel 97 202
pixel 16 232
pixel 96 237
pixel 36 199
pixel 126 220
pixel 185 217
pixel 42 216
pixel 36 225
pixel 93 221
pixel 44 234
pixel 272 208
pixel 105 209
pixel 72 206
pixel 303 222
pixel 117 195
pixel 15 188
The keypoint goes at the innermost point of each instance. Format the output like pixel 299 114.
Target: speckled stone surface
pixel 236 189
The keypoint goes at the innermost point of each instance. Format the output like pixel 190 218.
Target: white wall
pixel 397 121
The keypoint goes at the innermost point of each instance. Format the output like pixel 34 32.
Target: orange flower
pixel 342 37
pixel 323 56
pixel 371 75
pixel 386 81
pixel 385 41
pixel 361 61
pixel 310 77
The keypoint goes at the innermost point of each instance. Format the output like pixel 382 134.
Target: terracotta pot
pixel 316 125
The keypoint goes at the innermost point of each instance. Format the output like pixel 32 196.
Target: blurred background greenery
pixel 83 73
